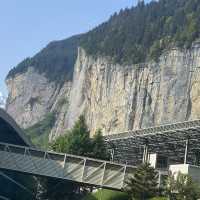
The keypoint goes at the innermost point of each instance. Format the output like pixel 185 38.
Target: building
pixel 173 147
pixel 168 148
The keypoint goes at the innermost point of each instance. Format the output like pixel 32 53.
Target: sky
pixel 26 26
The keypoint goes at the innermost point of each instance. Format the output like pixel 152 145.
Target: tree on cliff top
pixel 129 37
pixel 140 33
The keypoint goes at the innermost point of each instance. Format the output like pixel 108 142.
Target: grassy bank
pixel 106 195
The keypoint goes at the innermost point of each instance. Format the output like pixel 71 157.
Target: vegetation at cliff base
pixel 159 198
pixel 141 186
pixel 39 132
pixel 106 195
pixel 77 141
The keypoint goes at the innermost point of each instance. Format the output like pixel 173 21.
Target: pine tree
pixel 143 184
pixel 76 141
pixel 182 187
pixel 99 150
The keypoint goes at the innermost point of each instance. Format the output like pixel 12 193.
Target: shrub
pixel 106 195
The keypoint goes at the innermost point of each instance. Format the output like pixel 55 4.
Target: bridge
pixel 64 166
pixel 21 162
pixel 178 142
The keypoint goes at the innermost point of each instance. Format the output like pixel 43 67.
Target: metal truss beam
pixel 169 140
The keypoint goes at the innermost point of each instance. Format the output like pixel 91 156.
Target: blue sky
pixel 26 26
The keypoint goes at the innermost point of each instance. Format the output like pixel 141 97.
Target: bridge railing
pixel 64 166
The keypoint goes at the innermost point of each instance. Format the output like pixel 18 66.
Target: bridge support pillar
pixel 186 151
pixel 146 154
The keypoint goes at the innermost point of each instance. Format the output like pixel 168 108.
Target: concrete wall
pixel 191 170
pixel 153 160
pixel 194 172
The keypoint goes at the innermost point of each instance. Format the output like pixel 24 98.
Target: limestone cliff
pixel 32 96
pixel 111 96
pixel 97 73
pixel 119 98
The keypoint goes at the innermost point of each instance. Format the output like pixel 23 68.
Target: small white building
pixel 162 164
pixel 191 170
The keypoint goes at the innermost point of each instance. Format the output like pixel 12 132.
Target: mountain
pixel 2 101
pixel 141 33
pixel 56 61
pixel 138 69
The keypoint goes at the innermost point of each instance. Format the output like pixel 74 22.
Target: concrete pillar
pixel 186 151
pixel 145 154
pixel 112 152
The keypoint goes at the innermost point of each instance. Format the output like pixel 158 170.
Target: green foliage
pixel 77 141
pixel 21 67
pixel 106 195
pixel 58 190
pixel 56 60
pixel 13 191
pixel 143 184
pixel 61 102
pixel 79 135
pixel 98 147
pixel 159 198
pixel 183 187
pixel 145 31
pixel 131 36
pixel 39 132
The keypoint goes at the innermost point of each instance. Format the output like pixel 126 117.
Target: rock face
pixel 119 98
pixel 111 96
pixel 32 96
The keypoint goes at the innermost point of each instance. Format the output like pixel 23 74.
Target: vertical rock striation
pixel 32 96
pixel 111 96
pixel 118 98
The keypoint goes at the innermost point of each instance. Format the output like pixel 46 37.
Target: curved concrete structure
pixel 14 185
pixel 17 157
pixel 10 132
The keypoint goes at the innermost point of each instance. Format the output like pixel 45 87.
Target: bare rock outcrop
pixel 111 96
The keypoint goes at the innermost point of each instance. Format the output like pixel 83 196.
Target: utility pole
pixel 186 151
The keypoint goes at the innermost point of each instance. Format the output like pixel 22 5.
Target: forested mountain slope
pixel 138 69
pixel 143 32
pixel 56 60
